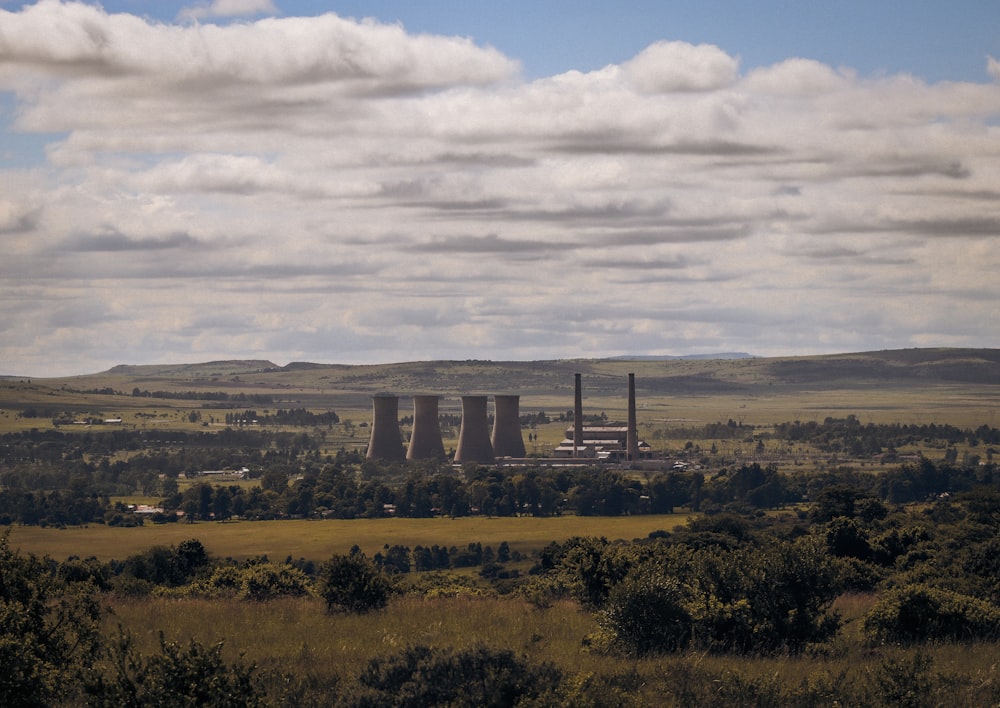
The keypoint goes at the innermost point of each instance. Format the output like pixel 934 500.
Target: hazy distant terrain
pixel 913 385
pixel 726 374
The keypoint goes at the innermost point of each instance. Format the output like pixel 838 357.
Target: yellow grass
pixel 298 636
pixel 318 540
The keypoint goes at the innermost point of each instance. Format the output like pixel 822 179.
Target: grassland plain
pixel 318 540
pixel 296 636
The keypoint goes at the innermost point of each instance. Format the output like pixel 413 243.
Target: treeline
pixel 849 435
pixel 296 416
pixel 344 489
pixel 219 396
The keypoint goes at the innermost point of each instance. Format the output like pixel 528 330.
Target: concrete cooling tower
pixel 474 437
pixel 507 440
pixel 385 443
pixel 425 439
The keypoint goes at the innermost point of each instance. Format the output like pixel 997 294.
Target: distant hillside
pixel 726 374
pixel 209 368
pixel 939 385
pixel 687 357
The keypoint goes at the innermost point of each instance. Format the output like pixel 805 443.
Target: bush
pixel 918 613
pixel 422 676
pixel 254 580
pixel 646 613
pixel 352 583
pixel 177 676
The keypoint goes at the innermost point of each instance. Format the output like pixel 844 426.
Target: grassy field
pixel 318 540
pixel 297 636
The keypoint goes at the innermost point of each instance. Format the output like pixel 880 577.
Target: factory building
pixel 607 443
pixel 602 443
pixel 477 444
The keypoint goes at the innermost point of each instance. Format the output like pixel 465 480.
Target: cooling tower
pixel 507 440
pixel 632 435
pixel 425 439
pixel 474 437
pixel 385 442
pixel 578 419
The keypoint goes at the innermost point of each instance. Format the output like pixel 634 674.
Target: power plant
pixel 476 444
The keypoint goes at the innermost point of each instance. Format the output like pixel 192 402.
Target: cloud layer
pixel 337 190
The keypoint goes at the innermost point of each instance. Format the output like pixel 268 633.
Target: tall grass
pixel 297 637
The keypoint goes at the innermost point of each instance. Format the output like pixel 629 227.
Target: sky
pixel 382 181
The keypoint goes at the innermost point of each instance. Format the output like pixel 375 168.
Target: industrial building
pixel 476 444
pixel 603 443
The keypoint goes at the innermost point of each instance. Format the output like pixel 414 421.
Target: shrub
pixel 422 676
pixel 254 580
pixel 177 676
pixel 352 583
pixel 919 613
pixel 646 613
pixel 764 599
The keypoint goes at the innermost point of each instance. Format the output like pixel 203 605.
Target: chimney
pixel 425 439
pixel 385 442
pixel 632 436
pixel 474 436
pixel 578 419
pixel 507 440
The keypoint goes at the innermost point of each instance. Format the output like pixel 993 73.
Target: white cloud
pixel 679 66
pixel 993 68
pixel 327 189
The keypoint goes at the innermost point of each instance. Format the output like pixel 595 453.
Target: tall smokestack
pixel 578 419
pixel 425 439
pixel 385 442
pixel 507 440
pixel 632 437
pixel 474 437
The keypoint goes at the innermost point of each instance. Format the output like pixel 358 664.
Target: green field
pixel 318 540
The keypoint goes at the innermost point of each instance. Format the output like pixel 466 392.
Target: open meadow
pixel 317 540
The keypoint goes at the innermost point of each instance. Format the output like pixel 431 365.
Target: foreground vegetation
pixel 853 602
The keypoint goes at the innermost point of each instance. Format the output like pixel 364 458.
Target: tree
pixel 222 505
pixel 44 644
pixel 275 478
pixel 352 583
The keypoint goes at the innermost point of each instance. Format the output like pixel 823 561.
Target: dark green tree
pixel 47 638
pixel 352 583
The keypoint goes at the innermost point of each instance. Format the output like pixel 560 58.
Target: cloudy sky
pixel 361 182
